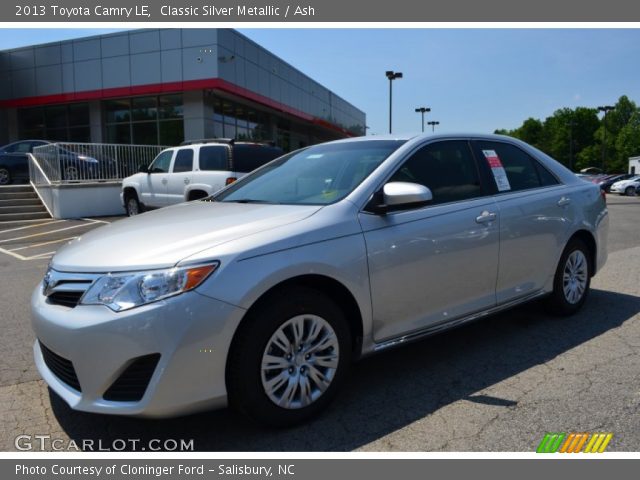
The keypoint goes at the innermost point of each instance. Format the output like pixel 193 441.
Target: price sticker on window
pixel 497 169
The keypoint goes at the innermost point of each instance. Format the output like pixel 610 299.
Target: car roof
pixel 430 136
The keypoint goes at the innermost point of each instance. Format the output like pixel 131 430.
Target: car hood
pixel 162 238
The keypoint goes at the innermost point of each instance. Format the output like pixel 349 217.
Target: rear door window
pixel 513 169
pixel 183 161
pixel 214 158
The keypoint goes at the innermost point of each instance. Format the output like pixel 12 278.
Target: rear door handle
pixel 486 217
pixel 164 181
pixel 186 181
pixel 564 201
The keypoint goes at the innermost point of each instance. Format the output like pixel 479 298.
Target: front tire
pixel 572 279
pixel 132 205
pixel 630 191
pixel 289 357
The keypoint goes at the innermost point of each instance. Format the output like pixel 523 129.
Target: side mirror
pixel 143 169
pixel 402 195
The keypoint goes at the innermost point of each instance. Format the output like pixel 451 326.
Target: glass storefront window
pixel 55 117
pixel 171 132
pixel 55 122
pixel 145 120
pixel 117 110
pixel 145 133
pixel 170 106
pixel 144 108
pixel 119 133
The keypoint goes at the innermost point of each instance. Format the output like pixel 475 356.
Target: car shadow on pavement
pixel 385 392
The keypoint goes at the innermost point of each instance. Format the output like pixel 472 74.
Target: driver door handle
pixel 164 181
pixel 486 217
pixel 564 201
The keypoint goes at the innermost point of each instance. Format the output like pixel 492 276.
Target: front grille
pixel 67 299
pixel 60 367
pixel 133 382
pixel 66 289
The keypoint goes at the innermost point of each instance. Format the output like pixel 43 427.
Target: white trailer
pixel 634 165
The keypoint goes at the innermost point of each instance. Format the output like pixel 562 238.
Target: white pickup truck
pixel 195 169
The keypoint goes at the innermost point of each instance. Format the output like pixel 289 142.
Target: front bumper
pixel 191 332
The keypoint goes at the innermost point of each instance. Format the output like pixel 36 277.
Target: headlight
pixel 128 290
pixel 84 158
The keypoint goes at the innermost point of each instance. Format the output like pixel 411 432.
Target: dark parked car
pixel 72 166
pixel 14 168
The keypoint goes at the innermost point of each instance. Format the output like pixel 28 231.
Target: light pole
pixel 433 125
pixel 391 75
pixel 422 110
pixel 605 109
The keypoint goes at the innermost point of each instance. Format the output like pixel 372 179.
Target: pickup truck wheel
pixel 133 205
pixel 289 358
pixel 5 176
pixel 572 280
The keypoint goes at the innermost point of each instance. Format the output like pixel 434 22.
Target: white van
pixel 195 169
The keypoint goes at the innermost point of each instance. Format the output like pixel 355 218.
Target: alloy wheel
pixel 575 276
pixel 300 361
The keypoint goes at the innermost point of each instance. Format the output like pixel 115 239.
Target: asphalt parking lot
pixel 496 385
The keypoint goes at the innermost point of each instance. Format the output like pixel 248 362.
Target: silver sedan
pixel 262 295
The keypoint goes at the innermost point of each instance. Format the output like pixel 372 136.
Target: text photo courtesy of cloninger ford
pixel 319 240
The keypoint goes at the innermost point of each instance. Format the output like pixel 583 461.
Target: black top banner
pixel 319 11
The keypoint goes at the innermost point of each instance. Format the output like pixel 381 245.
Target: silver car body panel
pixel 410 273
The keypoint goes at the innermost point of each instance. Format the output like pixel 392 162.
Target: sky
pixel 474 80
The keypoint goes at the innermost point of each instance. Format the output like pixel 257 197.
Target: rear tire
pixel 289 357
pixel 572 279
pixel 5 176
pixel 132 205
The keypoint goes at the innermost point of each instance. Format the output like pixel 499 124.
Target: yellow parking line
pixel 95 220
pixel 15 255
pixel 31 226
pixel 41 244
pixel 40 256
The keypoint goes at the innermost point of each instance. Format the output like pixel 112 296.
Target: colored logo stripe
pixel 574 442
pixel 550 443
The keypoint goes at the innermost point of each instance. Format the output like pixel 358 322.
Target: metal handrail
pixel 67 162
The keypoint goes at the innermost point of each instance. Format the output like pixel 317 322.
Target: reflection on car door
pixel 155 185
pixel 535 214
pixel 436 263
pixel 180 176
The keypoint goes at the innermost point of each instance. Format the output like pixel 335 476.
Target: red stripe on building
pixel 170 87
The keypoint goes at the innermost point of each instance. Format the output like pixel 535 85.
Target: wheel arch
pixel 128 190
pixel 322 283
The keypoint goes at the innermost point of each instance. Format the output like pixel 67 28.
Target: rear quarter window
pixel 214 158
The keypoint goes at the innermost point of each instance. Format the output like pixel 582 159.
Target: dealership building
pixel 162 86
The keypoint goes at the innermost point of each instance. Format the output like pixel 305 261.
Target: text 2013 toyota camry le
pixel 261 296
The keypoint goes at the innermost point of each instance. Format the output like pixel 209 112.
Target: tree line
pixel 575 137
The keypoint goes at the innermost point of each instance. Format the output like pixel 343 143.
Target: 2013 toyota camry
pixel 262 295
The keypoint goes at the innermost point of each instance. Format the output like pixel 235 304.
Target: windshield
pixel 317 175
